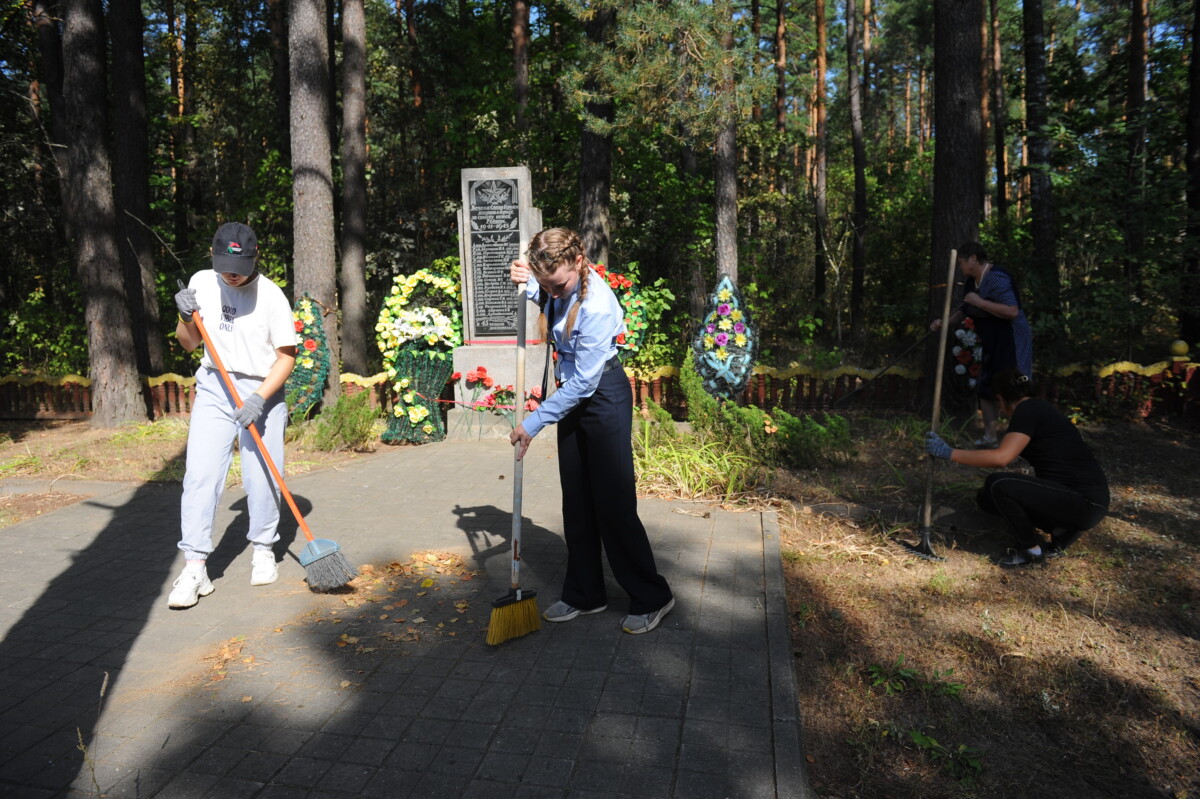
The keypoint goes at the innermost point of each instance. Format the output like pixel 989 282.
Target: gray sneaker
pixel 646 622
pixel 561 611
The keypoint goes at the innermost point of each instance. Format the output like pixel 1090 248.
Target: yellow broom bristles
pixel 513 620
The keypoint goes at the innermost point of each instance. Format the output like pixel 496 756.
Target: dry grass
pixel 1080 678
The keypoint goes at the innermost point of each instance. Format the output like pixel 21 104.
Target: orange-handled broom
pixel 325 567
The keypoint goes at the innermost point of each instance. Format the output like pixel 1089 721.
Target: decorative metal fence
pixel 1169 387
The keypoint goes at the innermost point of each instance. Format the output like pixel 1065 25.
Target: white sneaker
pixel 190 586
pixel 264 570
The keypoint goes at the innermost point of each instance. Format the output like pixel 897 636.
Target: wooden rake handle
pixel 927 509
pixel 262 448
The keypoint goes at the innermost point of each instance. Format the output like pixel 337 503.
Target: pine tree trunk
pixel 999 121
pixel 725 189
pixel 595 168
pixel 116 389
pixel 859 266
pixel 312 178
pixel 280 83
pixel 1135 102
pixel 1189 290
pixel 45 16
pixel 1044 285
pixel 985 83
pixel 725 174
pixel 414 74
pixel 354 187
pixel 958 160
pixel 185 138
pixel 782 178
pixel 821 222
pixel 520 37
pixel 132 187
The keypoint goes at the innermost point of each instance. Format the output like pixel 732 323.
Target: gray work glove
pixel 185 301
pixel 252 408
pixel 936 447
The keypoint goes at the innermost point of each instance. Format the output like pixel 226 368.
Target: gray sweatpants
pixel 209 454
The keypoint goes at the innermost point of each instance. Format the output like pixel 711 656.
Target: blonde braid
pixel 584 268
pixel 547 250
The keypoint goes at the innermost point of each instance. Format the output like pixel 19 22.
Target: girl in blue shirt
pixel 593 409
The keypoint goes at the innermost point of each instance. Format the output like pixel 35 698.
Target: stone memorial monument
pixel 495 224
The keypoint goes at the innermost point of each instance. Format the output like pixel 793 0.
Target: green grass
pixel 683 465
pixel 24 464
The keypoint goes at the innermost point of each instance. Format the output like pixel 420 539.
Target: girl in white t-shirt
pixel 250 323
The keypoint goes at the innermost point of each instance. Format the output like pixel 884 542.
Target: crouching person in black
pixel 1066 495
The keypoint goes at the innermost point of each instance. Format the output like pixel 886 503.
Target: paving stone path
pixel 388 690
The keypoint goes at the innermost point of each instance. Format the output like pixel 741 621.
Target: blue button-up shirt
pixel 581 359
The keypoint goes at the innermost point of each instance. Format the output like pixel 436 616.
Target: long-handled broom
pixel 922 549
pixel 325 567
pixel 516 613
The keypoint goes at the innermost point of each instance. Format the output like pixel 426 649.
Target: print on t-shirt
pixel 227 313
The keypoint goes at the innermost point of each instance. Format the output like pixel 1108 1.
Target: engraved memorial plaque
pixel 495 221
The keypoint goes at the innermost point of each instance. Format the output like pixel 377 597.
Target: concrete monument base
pixel 501 363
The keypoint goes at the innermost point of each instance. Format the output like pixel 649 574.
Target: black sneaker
pixel 1060 539
pixel 1019 558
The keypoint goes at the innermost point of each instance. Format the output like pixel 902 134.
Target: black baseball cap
pixel 234 249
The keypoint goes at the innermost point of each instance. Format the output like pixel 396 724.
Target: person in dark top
pixel 1068 492
pixel 990 298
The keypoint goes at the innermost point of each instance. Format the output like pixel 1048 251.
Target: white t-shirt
pixel 246 323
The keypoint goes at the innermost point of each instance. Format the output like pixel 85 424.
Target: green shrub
pixel 348 425
pixel 806 442
pixel 674 464
pixel 774 439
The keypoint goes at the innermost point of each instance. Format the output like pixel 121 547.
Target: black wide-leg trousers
pixel 595 467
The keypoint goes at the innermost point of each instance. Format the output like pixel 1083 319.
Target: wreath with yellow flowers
pixel 417 330
pixel 306 384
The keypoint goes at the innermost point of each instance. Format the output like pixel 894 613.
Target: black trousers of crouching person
pixel 595 466
pixel 1031 503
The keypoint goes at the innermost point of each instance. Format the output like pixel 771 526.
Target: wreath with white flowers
pixel 417 331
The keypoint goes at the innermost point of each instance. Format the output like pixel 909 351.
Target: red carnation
pixel 488 382
pixel 456 376
pixel 620 338
pixel 309 344
pixel 299 325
